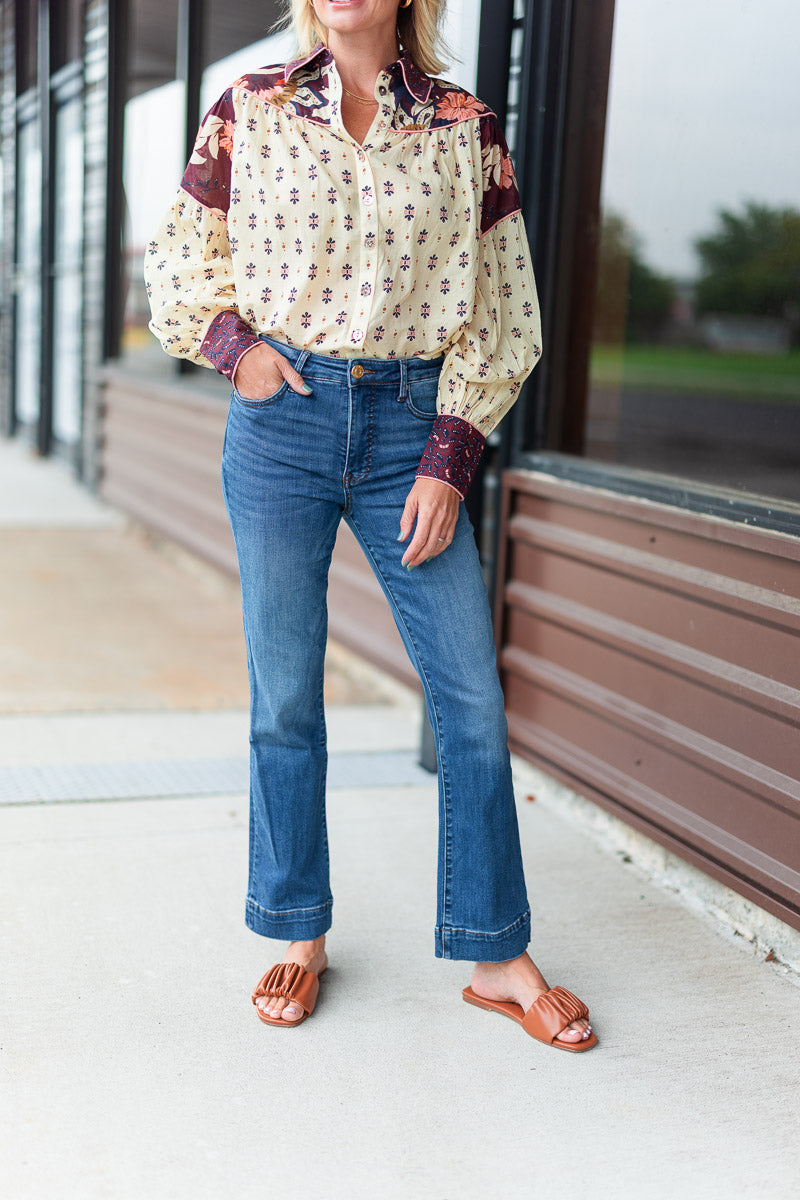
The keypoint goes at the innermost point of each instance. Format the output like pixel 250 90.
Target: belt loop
pixel 403 379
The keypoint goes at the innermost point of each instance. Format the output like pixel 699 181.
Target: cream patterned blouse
pixel 412 244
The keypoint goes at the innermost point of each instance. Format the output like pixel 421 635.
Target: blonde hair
pixel 418 30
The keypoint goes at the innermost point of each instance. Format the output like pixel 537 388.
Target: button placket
pixel 367 257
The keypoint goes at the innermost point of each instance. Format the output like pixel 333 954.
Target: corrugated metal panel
pixel 651 658
pixel 160 462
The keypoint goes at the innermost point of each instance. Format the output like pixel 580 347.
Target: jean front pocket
pixel 421 398
pixel 261 403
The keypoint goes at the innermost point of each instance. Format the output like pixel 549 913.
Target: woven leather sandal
pixel 546 1018
pixel 295 983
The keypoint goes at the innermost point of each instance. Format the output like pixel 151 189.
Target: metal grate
pixel 76 782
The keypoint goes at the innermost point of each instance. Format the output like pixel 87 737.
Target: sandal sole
pixel 507 1009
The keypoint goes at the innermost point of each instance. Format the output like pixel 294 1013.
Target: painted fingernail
pixel 307 389
pixel 409 568
pixel 400 536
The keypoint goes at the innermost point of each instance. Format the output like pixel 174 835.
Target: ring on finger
pixel 441 539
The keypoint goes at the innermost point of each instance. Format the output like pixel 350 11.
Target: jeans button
pixel 358 371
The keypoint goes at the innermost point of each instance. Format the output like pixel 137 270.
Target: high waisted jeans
pixel 292 467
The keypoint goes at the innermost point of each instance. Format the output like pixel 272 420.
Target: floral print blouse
pixel 412 244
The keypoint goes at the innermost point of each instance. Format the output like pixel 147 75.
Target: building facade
pixel 639 509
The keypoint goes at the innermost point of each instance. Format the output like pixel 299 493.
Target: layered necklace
pixel 360 99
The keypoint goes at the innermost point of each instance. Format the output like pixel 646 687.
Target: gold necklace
pixel 360 99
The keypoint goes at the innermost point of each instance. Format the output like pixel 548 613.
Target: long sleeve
pixel 485 367
pixel 188 264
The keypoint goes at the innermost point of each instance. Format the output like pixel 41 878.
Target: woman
pixel 347 248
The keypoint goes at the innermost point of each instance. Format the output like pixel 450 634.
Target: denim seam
pixel 324 748
pixel 481 933
pixel 345 472
pixel 267 402
pixel 287 912
pixel 337 380
pixel 354 479
pixel 439 739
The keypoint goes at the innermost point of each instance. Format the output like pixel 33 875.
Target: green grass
pixel 773 377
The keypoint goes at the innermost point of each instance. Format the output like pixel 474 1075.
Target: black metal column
pixel 8 137
pixel 118 23
pixel 191 25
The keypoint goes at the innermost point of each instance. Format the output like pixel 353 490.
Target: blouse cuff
pixel 452 454
pixel 227 338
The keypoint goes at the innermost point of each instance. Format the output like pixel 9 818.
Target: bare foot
pixel 521 981
pixel 310 955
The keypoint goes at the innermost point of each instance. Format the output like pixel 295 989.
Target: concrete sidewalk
pixel 132 1061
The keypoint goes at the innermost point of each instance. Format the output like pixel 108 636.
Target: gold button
pixel 358 371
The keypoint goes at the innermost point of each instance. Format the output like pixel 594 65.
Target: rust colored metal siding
pixel 651 659
pixel 161 449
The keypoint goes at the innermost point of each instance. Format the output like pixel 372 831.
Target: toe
pixel 577 1031
pixel 292 1012
pixel 570 1034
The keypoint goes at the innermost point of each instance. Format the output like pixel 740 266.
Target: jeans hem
pixel 290 926
pixel 483 947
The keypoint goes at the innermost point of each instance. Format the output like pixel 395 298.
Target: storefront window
pixel 695 369
pixel 152 166
pixel 234 37
pixel 28 274
pixel 67 272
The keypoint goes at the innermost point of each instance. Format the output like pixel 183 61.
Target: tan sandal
pixel 546 1018
pixel 295 983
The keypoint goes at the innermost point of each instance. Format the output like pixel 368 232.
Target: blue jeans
pixel 292 467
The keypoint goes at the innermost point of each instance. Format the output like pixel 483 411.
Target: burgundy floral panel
pixel 208 175
pixel 452 454
pixel 226 340
pixel 417 101
pixel 500 195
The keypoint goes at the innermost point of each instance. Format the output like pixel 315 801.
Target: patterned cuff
pixel 226 340
pixel 452 454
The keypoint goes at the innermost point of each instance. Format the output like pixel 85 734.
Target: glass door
pixel 67 270
pixel 27 276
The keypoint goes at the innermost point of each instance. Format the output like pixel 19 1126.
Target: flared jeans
pixel 294 466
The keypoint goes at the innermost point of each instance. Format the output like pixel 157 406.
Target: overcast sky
pixel 704 113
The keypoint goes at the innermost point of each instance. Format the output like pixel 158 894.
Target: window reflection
pixel 696 352
pixel 28 275
pixel 152 166
pixel 235 38
pixel 67 272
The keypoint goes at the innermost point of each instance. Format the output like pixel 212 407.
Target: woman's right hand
pixel 261 371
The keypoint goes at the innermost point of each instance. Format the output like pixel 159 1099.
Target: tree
pixel 751 265
pixel 633 300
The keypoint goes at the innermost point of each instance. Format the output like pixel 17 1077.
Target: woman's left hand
pixel 434 507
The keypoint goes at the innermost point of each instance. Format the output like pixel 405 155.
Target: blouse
pixel 410 244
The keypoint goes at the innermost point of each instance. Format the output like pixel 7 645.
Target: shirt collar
pixel 416 81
